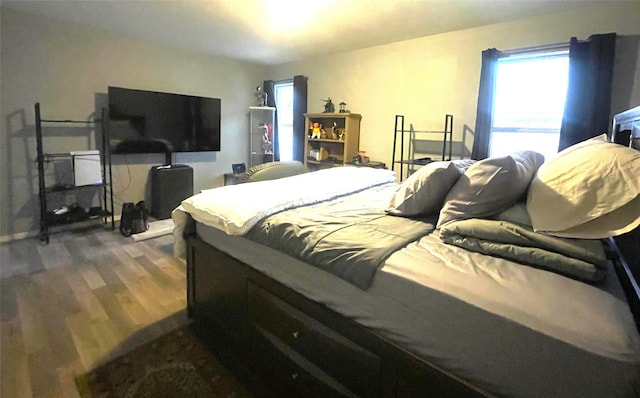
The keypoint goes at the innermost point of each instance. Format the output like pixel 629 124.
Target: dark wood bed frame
pixel 626 131
pixel 306 349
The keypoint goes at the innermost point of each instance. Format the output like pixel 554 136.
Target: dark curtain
pixel 269 88
pixel 482 135
pixel 299 109
pixel 588 103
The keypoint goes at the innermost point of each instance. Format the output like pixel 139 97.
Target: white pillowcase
pixel 490 186
pixel 590 190
pixel 424 191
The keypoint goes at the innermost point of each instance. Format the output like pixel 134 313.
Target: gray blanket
pixel 349 241
pixel 578 258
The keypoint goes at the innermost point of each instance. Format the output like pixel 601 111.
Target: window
pixel 284 103
pixel 529 99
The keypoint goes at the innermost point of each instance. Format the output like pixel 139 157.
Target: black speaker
pixel 170 185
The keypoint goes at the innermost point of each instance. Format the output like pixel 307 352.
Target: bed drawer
pixel 320 349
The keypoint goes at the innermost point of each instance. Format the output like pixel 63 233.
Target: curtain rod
pixel 536 49
pixel 283 81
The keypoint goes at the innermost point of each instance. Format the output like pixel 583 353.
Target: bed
pixel 342 282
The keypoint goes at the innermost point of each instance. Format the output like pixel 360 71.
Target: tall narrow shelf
pixel 338 142
pixel 47 217
pixel 261 138
pixel 405 155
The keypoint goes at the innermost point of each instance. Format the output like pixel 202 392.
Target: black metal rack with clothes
pixel 74 213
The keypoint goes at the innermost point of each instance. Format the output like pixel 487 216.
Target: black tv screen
pixel 153 122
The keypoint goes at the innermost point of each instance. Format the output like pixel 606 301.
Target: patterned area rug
pixel 174 365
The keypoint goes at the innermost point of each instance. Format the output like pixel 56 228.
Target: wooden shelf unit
pixel 333 151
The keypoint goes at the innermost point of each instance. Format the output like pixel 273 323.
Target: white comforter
pixel 235 209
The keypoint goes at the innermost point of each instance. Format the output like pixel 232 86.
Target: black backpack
pixel 134 218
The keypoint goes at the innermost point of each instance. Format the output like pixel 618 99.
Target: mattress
pixel 509 329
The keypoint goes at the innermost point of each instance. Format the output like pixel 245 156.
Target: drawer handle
pixel 294 376
pixel 295 334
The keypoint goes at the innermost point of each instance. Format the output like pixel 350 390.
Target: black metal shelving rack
pixel 106 213
pixel 406 156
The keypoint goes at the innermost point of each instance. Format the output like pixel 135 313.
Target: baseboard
pixel 36 233
pixel 18 236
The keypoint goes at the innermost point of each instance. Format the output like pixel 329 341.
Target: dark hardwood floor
pixel 83 299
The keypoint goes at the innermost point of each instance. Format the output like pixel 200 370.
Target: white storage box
pixel 87 169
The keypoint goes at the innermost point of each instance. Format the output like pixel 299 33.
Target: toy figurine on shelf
pixel 261 96
pixel 343 107
pixel 267 138
pixel 315 130
pixel 323 133
pixel 328 106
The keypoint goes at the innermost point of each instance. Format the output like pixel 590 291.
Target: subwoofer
pixel 170 185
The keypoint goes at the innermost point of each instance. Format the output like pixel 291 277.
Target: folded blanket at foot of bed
pixel 582 259
pixel 352 247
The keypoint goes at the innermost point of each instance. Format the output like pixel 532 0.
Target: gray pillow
pixel 490 186
pixel 424 191
pixel 272 171
pixel 463 164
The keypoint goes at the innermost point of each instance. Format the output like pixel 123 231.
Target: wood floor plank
pixel 109 239
pixel 54 255
pixel 116 313
pixel 14 371
pixel 129 261
pixel 163 281
pixel 149 251
pixel 53 316
pixel 150 265
pixel 42 373
pixel 93 278
pixel 134 310
pixel 104 266
pixel 31 322
pixel 19 257
pixel 141 293
pixel 66 378
pixel 91 306
pixel 8 295
pixel 57 282
pixel 76 282
pixel 88 349
pixel 150 294
pixel 134 249
pixel 95 294
pixel 177 273
pixel 108 340
pixel 77 256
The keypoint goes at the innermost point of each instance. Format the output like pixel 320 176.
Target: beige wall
pixel 427 77
pixel 67 68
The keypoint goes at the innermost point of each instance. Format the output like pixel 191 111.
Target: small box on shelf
pixel 318 154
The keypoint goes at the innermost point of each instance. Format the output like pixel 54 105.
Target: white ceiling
pixel 278 31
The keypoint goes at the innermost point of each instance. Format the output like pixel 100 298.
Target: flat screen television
pixel 154 122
